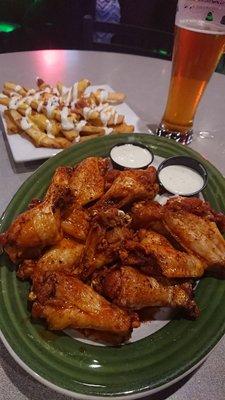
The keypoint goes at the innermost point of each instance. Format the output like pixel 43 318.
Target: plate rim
pixel 82 396
pixel 142 392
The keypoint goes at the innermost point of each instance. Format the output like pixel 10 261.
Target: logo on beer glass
pixel 209 16
pixel 205 10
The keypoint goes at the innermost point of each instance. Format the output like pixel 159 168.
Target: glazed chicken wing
pixel 61 178
pixel 198 236
pixel 108 230
pixel 156 252
pixel 129 288
pixel 75 222
pixel 148 214
pixel 102 247
pixel 198 207
pixel 65 255
pixel 36 228
pixel 111 217
pixel 130 186
pixel 145 212
pixel 66 302
pixel 87 182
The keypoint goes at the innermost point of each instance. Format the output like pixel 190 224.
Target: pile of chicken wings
pixel 98 249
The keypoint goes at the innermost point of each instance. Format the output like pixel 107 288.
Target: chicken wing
pixel 145 212
pixel 102 247
pixel 130 186
pixel 36 228
pixel 155 251
pixel 196 206
pixel 65 301
pixel 129 288
pixel 148 214
pixel 87 182
pixel 61 178
pixel 110 217
pixel 65 255
pixel 75 222
pixel 198 236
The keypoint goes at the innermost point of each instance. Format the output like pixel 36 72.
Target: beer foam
pixel 200 26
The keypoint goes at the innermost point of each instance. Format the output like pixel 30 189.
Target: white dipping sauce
pixel 179 179
pixel 131 156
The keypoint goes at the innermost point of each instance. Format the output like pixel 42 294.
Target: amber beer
pixel 195 57
pixel 197 49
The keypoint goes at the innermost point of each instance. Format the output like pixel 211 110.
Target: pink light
pixel 51 57
pixel 50 65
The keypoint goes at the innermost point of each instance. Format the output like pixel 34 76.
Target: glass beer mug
pixel 199 44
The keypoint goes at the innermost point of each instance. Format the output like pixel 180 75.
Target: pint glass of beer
pixel 199 44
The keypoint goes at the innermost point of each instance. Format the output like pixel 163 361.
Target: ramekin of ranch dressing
pixel 131 155
pixel 182 175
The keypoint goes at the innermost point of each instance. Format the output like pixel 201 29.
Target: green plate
pixel 84 370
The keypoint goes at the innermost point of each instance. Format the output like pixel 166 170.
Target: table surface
pixel 145 82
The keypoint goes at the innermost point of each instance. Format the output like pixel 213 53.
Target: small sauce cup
pixel 131 155
pixel 182 175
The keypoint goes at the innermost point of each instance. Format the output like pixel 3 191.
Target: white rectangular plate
pixel 23 150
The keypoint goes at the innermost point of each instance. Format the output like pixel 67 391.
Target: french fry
pixel 39 138
pixel 90 101
pixel 82 86
pixel 85 138
pixel 44 124
pixel 89 130
pixel 41 84
pixel 70 135
pixel 95 117
pixel 58 116
pixel 11 125
pixel 74 91
pixel 64 143
pixel 41 120
pixel 4 101
pixel 103 96
pixel 9 93
pixel 10 86
pixel 119 120
pixel 22 108
pixel 123 128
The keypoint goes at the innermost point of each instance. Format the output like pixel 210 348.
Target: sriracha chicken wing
pixel 198 236
pixel 111 217
pixel 145 212
pixel 66 302
pixel 148 214
pixel 198 207
pixel 65 255
pixel 130 186
pixel 129 288
pixel 75 222
pixel 87 182
pixel 60 179
pixel 155 251
pixel 102 247
pixel 108 230
pixel 36 228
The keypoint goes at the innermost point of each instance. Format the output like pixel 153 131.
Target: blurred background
pixel 144 27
